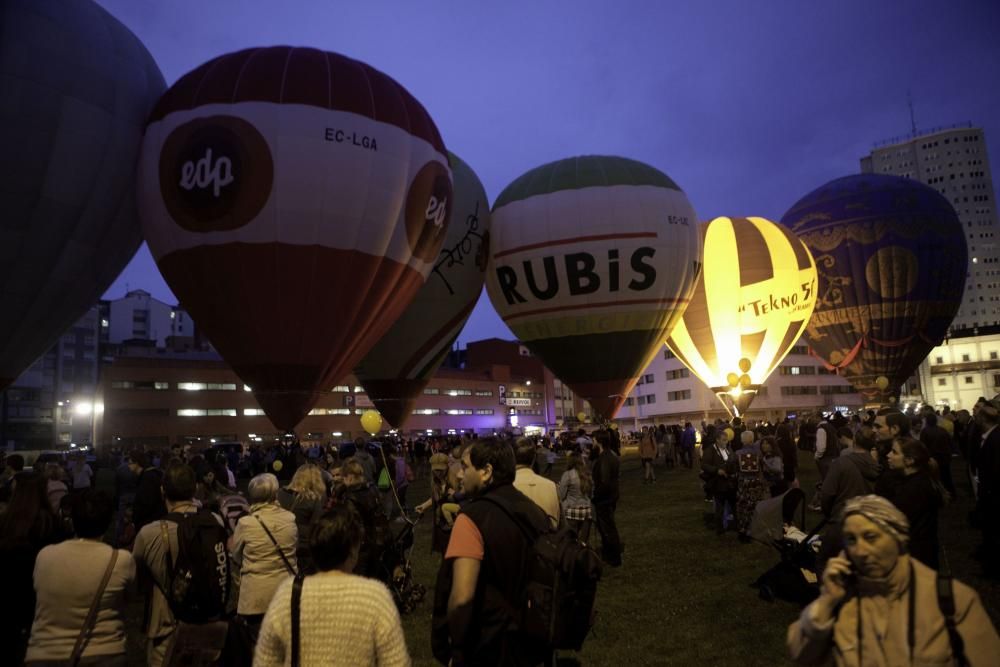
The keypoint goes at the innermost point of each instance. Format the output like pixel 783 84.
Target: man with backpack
pixel 501 595
pixel 185 555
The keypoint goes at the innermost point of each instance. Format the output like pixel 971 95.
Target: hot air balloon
pixel 892 262
pixel 592 262
pixel 295 201
pixel 755 294
pixel 395 371
pixel 77 88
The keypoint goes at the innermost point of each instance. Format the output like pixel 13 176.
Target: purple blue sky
pixel 747 105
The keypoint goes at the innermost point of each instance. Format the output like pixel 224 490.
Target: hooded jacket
pixel 849 476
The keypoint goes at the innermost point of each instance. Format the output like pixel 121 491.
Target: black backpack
pixel 197 586
pixel 556 606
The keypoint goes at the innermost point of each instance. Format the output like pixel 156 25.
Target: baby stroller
pixel 794 578
pixel 396 572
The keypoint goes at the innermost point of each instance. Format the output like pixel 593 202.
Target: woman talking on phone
pixel 878 607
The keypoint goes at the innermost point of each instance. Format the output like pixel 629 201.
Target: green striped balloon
pixel 593 260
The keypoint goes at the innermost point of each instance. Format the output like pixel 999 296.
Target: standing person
pixel 719 470
pixel 81 473
pixel 987 462
pixel 485 553
pixel 919 495
pixel 441 503
pixel 148 504
pixel 101 577
pixel 56 487
pixel 789 455
pixel 365 500
pixel 773 467
pixel 575 489
pixel 647 452
pixel 541 490
pixel 26 527
pixel 688 441
pixel 159 554
pixel 342 619
pixel 367 461
pixel 264 549
pixel 751 487
pixel 878 606
pixel 305 497
pixel 606 494
pixel 938 442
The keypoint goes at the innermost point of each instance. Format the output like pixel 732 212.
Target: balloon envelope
pixel 395 371
pixel 592 262
pixel 892 262
pixel 295 201
pixel 77 89
pixel 752 301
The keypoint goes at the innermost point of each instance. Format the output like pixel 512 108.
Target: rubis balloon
pixel 593 261
pixel 295 201
pixel 77 89
pixel 752 301
pixel 396 371
pixel 892 261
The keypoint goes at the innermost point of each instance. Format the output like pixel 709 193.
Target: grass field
pixel 683 595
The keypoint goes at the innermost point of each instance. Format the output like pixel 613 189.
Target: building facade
pixel 954 162
pixel 669 393
pixel 961 369
pixel 140 316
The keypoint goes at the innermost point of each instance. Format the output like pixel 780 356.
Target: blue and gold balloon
pixel 892 261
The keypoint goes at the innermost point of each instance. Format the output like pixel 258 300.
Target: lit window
pixel 253 412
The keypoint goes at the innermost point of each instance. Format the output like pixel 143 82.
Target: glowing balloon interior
pixel 756 292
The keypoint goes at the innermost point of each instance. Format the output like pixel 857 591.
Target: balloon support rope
pixel 392 485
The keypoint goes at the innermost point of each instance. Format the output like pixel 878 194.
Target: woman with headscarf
pixel 879 607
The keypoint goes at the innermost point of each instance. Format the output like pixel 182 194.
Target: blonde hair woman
pixel 305 497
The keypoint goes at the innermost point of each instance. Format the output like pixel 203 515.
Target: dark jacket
pixel 711 462
pixel 366 502
pixel 789 457
pixel 484 632
pixel 606 478
pixel 918 498
pixel 937 441
pixel 148 503
pixel 849 476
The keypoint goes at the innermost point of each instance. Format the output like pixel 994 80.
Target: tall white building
pixel 954 162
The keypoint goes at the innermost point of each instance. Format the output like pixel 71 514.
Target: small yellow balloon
pixel 580 416
pixel 371 421
pixel 892 399
pixel 882 382
pixel 277 465
pixel 745 381
pixel 745 365
pixel 730 434
pixel 733 379
pixel 614 427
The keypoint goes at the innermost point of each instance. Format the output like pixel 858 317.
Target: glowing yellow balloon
pixel 580 416
pixel 882 382
pixel 277 465
pixel 371 421
pixel 754 297
pixel 614 427
pixel 730 434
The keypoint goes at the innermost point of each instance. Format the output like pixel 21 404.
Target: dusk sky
pixel 746 105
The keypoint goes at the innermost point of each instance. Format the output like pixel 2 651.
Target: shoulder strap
pixel 165 537
pixel 88 624
pixel 946 602
pixel 296 613
pixel 529 531
pixel 288 566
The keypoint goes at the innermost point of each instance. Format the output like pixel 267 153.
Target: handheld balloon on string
pixel 371 421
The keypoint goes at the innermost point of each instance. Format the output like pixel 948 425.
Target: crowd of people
pixel 310 560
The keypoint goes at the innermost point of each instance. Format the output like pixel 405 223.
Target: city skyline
pixel 747 108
